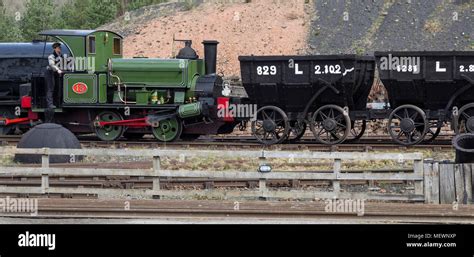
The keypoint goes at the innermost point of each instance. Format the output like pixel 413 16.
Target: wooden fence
pixel 335 177
pixel 448 183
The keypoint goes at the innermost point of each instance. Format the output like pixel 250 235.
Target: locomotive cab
pixel 84 80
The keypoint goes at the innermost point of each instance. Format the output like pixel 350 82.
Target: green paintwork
pixel 104 49
pixel 142 97
pixel 155 73
pixel 192 89
pixel 189 110
pixel 76 45
pixel 179 97
pixel 116 97
pixel 102 88
pixel 104 41
pixel 89 96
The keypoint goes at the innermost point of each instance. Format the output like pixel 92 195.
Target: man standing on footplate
pixel 52 74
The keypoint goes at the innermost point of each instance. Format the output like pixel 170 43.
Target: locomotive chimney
pixel 210 55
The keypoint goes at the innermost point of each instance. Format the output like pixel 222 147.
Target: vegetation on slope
pixel 21 20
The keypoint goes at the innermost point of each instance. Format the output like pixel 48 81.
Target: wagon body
pixel 429 80
pixel 290 82
pixel 296 92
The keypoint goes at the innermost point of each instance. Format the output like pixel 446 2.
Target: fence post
pixel 461 196
pixel 336 185
pixel 156 173
pixel 468 181
pixel 428 179
pixel 262 182
pixel 262 185
pixel 418 170
pixel 435 184
pixel 447 189
pixel 44 171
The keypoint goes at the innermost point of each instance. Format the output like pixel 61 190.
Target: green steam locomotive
pixel 102 92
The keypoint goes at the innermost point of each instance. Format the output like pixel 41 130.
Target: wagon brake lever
pixel 471 81
pixel 460 91
pixel 329 85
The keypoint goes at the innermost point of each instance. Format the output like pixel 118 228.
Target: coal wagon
pixel 327 93
pixel 425 90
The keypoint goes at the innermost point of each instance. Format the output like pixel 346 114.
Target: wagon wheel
pixel 330 124
pixel 433 131
pixel 464 122
pixel 357 130
pixel 270 125
pixel 168 130
pixel 297 130
pixel 108 132
pixel 407 125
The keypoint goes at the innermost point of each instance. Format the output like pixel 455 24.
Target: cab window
pixel 117 46
pixel 91 45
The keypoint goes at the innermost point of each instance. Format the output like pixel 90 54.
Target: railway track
pixel 212 211
pixel 373 143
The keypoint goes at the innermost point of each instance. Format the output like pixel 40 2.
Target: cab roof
pixel 69 32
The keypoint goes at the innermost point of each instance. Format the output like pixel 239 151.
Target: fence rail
pixel 336 176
